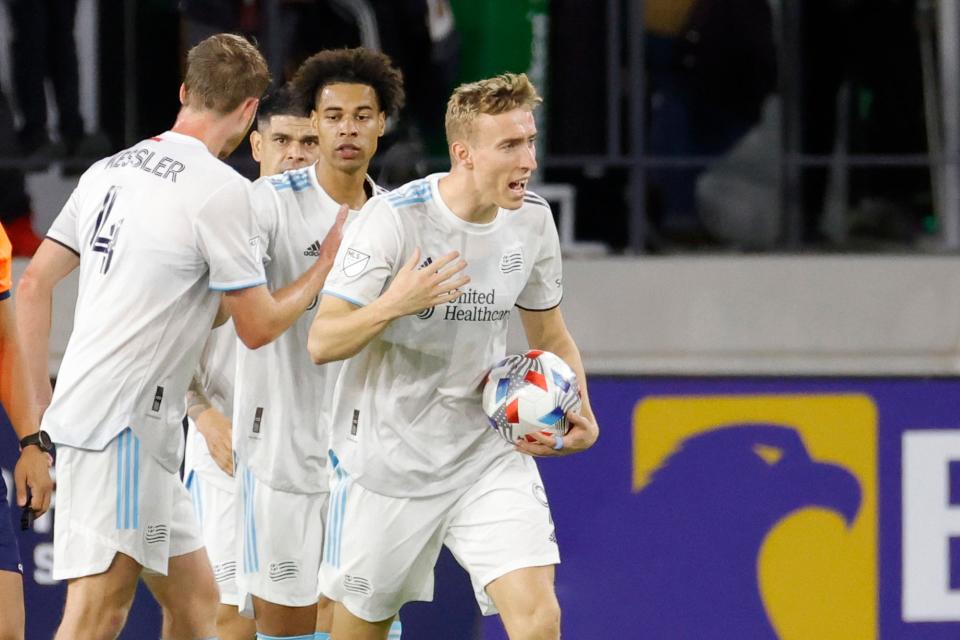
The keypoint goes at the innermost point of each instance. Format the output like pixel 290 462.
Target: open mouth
pixel 518 187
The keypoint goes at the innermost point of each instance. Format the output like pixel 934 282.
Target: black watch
pixel 40 439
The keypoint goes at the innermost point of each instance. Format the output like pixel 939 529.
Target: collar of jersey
pixel 182 138
pixel 326 196
pixel 454 219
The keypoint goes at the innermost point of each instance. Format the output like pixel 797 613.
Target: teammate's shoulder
pixel 531 199
pixel 293 180
pixel 413 193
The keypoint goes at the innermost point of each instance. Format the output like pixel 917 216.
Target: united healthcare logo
pixel 760 517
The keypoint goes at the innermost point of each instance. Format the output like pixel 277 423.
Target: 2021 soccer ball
pixel 530 392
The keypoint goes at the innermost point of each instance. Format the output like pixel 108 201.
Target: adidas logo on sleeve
pixel 313 250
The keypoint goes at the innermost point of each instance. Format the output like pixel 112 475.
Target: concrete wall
pixel 849 315
pixel 766 314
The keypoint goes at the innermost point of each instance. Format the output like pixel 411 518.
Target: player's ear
pixel 183 94
pixel 461 154
pixel 256 140
pixel 315 119
pixel 381 123
pixel 249 109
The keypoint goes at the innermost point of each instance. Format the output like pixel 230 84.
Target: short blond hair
pixel 222 72
pixel 492 96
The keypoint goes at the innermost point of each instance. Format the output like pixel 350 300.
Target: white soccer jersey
pixel 160 228
pixel 281 411
pixel 218 364
pixel 407 417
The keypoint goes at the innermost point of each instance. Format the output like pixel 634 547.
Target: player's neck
pixel 461 195
pixel 344 188
pixel 212 131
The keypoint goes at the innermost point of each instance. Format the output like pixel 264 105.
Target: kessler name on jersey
pixel 165 167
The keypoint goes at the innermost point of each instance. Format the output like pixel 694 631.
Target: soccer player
pixel 32 471
pixel 284 139
pixel 281 407
pixel 415 463
pixel 161 232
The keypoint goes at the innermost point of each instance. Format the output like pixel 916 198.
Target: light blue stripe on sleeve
pixel 220 286
pixel 412 201
pixel 327 292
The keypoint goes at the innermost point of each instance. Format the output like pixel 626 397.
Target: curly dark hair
pixel 352 66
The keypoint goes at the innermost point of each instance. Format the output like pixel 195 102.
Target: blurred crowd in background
pixel 766 124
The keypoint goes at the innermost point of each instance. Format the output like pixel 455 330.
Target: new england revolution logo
pixel 511 261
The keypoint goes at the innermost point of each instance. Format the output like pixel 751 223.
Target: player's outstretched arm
pixel 341 329
pixel 32 468
pixel 50 264
pixel 546 330
pixel 261 316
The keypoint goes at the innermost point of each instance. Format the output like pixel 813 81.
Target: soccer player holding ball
pixel 419 299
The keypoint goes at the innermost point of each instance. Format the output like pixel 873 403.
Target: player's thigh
pixel 281 540
pixel 526 597
pixel 347 625
pixel 188 585
pixel 109 593
pixel 215 505
pixel 502 524
pixel 119 499
pixel 380 550
pixel 11 605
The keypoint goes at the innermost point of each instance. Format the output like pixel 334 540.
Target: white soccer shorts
pixel 281 539
pixel 381 550
pixel 216 509
pixel 122 500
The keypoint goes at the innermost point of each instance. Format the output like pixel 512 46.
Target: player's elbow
pixel 31 288
pixel 253 336
pixel 319 352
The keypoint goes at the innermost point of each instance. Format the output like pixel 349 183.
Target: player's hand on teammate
pixel 331 242
pixel 583 433
pixel 216 431
pixel 33 472
pixel 418 287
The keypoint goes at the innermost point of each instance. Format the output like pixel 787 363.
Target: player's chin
pixel 350 164
pixel 510 200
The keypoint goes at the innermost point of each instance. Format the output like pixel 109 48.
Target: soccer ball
pixel 530 392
